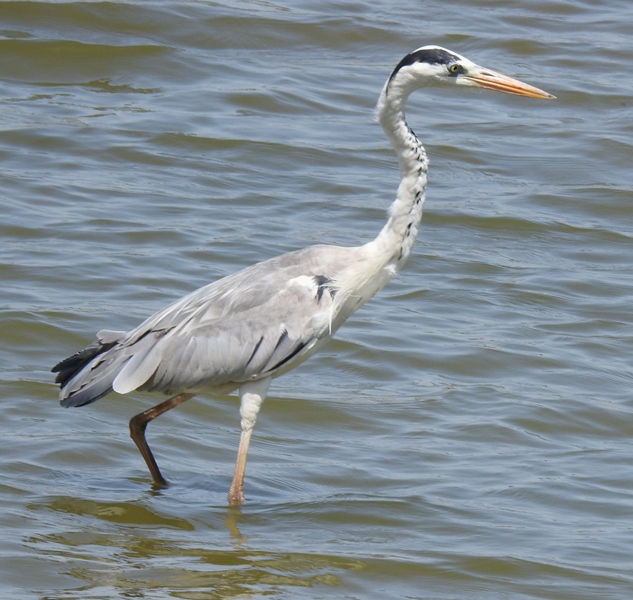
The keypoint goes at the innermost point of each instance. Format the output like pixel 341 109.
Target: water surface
pixel 468 432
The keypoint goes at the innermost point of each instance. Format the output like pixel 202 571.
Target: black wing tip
pixel 81 399
pixel 71 366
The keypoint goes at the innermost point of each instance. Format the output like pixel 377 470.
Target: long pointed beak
pixel 491 80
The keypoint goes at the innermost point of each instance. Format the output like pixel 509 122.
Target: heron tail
pixel 88 374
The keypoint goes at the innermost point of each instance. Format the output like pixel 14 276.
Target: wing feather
pixel 138 369
pixel 255 323
pixel 250 344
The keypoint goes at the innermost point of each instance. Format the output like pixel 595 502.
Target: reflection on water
pixel 142 559
pixel 117 513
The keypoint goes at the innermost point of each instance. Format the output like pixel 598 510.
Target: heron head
pixel 436 63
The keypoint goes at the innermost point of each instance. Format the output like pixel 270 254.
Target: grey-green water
pixel 468 432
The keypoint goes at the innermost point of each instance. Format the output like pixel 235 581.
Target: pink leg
pixel 252 396
pixel 236 491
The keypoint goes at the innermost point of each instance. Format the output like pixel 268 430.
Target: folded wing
pixel 253 324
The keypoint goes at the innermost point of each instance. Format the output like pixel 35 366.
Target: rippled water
pixel 468 432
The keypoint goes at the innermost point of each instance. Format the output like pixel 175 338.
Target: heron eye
pixel 454 69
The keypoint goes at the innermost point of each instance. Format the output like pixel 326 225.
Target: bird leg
pixel 236 491
pixel 138 424
pixel 252 395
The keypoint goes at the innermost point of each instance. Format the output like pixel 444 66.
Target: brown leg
pixel 138 424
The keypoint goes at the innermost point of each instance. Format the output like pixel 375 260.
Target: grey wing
pixel 255 323
pixel 262 340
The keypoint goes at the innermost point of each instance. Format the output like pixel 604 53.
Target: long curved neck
pixel 380 259
pixel 398 235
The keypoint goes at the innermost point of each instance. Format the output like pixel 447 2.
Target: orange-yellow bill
pixel 491 80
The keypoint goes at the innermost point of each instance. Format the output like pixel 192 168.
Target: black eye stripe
pixel 433 56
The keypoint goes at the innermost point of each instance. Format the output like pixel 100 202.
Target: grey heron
pixel 242 331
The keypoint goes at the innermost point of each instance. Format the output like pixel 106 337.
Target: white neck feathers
pixel 399 233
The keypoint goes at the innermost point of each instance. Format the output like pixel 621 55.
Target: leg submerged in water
pixel 138 425
pixel 252 396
